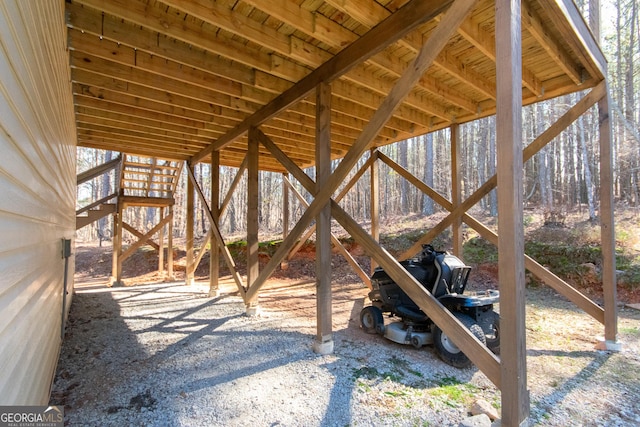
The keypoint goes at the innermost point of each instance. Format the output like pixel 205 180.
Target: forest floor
pixel 565 242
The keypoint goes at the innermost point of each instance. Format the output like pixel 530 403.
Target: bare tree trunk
pixel 427 205
pixel 106 190
pixel 586 169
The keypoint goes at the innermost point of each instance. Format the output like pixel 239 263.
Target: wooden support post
pixel 116 265
pixel 437 40
pixel 336 243
pixel 515 396
pixel 323 343
pixel 456 189
pixel 607 230
pixel 285 215
pixel 253 261
pixel 161 242
pixel 375 201
pixel 218 236
pixel 190 267
pixel 214 251
pixel 170 247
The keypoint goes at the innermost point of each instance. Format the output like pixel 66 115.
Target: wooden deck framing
pixel 280 86
pixel 509 371
pixel 149 183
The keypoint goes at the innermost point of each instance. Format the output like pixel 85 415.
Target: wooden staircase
pixel 100 208
pixel 91 215
pixel 141 181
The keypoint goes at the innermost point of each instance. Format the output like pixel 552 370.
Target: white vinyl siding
pixel 37 194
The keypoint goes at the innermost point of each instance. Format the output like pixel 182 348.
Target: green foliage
pixel 564 260
pixel 479 251
pixel 454 391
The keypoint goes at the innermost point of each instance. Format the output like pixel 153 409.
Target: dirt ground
pixel 368 381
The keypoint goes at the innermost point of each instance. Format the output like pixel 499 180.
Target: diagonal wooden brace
pixel 131 249
pixel 464 339
pixel 218 235
pixel 543 139
pixel 436 42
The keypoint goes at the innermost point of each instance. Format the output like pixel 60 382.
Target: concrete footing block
pixel 323 348
pixel 608 345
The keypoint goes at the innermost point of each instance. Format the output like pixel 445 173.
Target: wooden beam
pixel 456 188
pixel 534 25
pixel 543 139
pixel 189 216
pixel 485 42
pixel 396 26
pixel 285 213
pixel 374 177
pixel 431 48
pixel 536 269
pixel 131 249
pixel 323 343
pixel 513 347
pixel 576 33
pixel 232 188
pixel 546 276
pixel 214 251
pixel 97 171
pixel 253 194
pixel 116 264
pixel 140 235
pixel 161 243
pixel 607 222
pixel 146 201
pixel 218 236
pixel 96 203
pixel 336 242
pixel 309 185
pixel 170 245
pixel 464 339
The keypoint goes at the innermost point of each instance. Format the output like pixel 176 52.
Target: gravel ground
pixel 167 355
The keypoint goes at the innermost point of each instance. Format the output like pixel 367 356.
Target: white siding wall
pixel 37 194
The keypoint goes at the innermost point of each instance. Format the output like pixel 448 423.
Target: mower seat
pixel 452 275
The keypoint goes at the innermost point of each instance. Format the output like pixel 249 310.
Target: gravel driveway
pixel 167 355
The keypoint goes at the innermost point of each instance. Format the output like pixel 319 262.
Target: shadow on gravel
pixel 150 354
pixel 98 348
pixel 581 378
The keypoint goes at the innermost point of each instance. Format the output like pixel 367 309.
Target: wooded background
pixel 563 176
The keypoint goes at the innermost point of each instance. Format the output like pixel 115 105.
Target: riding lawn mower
pixel 445 277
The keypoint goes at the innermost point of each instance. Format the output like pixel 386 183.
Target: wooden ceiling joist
pixel 399 24
pixel 207 71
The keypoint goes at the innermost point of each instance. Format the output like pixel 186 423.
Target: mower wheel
pixel 492 333
pixel 447 350
pixel 416 341
pixel 371 320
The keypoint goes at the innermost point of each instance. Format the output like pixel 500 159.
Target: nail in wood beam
pixel 515 396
